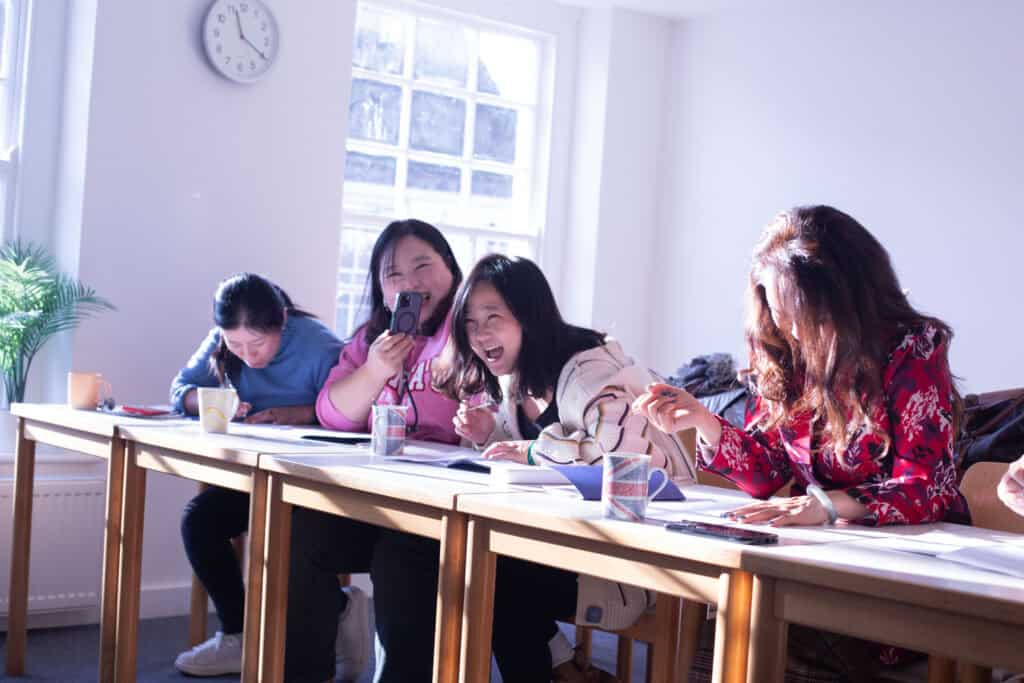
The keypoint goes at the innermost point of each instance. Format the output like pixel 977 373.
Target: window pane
pixel 508 67
pixel 507 246
pixel 434 177
pixel 495 135
pixel 438 123
pixel 369 168
pixel 442 53
pixel 374 111
pixel 487 184
pixel 353 265
pixel 379 42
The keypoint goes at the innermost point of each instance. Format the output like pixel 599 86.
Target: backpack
pixel 992 428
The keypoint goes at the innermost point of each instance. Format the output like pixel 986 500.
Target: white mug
pixel 86 390
pixel 217 407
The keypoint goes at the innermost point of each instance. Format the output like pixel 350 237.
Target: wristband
pixel 529 453
pixel 826 502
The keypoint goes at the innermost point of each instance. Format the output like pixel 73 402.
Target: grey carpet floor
pixel 68 655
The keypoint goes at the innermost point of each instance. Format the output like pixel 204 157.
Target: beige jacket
pixel 594 393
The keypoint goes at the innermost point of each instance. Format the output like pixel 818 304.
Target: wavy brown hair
pixel 843 310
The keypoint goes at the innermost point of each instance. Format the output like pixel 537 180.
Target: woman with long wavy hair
pixel 853 391
pixel 853 398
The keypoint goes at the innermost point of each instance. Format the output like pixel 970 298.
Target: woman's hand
pixel 799 510
pixel 242 410
pixel 795 511
pixel 387 354
pixel 284 415
pixel 671 409
pixel 516 451
pixel 475 423
pixel 1011 487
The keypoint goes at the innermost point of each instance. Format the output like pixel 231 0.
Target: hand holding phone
pixel 724 532
pixel 405 315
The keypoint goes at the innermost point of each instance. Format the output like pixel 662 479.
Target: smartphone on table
pixel 405 315
pixel 727 533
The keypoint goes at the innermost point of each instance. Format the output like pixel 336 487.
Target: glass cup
pixel 625 489
pixel 388 434
pixel 86 390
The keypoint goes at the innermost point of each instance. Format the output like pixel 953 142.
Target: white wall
pixel 907 115
pixel 617 169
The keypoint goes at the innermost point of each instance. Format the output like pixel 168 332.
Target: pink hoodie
pixel 435 411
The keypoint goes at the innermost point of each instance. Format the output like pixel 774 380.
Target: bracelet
pixel 529 453
pixel 826 502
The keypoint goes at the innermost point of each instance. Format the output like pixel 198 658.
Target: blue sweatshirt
pixel 293 378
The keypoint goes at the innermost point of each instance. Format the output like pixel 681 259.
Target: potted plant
pixel 37 301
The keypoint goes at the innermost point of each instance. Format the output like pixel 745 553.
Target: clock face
pixel 241 38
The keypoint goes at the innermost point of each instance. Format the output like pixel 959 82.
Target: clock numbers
pixel 221 18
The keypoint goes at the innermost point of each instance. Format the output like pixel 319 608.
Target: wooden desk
pixel 83 431
pixel 862 589
pixel 571 534
pixel 411 498
pixel 226 460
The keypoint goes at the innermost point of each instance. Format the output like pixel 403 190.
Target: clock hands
pixel 244 38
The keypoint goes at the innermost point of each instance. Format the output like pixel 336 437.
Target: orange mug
pixel 86 390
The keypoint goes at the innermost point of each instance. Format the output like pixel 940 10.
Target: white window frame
pixel 536 170
pixel 12 82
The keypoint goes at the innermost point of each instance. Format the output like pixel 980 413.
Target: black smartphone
pixel 729 533
pixel 405 316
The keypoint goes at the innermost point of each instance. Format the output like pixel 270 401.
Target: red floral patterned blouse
pixel 914 482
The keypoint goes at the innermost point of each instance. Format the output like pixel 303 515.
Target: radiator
pixel 67 544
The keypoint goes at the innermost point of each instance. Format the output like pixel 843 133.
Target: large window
pixel 446 120
pixel 11 30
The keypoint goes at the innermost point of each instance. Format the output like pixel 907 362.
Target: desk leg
pixel 199 604
pixel 451 585
pixel 732 628
pixel 478 616
pixel 111 559
pixel 768 635
pixel 665 651
pixel 275 557
pixel 254 589
pixel 133 518
pixel 21 537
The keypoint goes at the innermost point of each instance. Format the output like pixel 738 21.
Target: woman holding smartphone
pixel 276 356
pixel 383 367
pixel 854 398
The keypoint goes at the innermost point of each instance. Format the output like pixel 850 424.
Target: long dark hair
pixel 383 252
pixel 548 341
pixel 252 301
pixel 838 288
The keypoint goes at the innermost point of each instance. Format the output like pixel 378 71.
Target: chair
pixel 987 511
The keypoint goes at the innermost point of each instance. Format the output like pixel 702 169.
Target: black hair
pixel 548 341
pixel 383 251
pixel 247 300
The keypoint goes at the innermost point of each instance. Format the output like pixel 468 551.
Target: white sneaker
pixel 219 655
pixel 352 647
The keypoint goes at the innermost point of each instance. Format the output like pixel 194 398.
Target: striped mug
pixel 624 485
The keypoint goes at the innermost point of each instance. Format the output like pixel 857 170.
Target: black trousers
pixel 209 522
pixel 529 599
pixel 325 545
